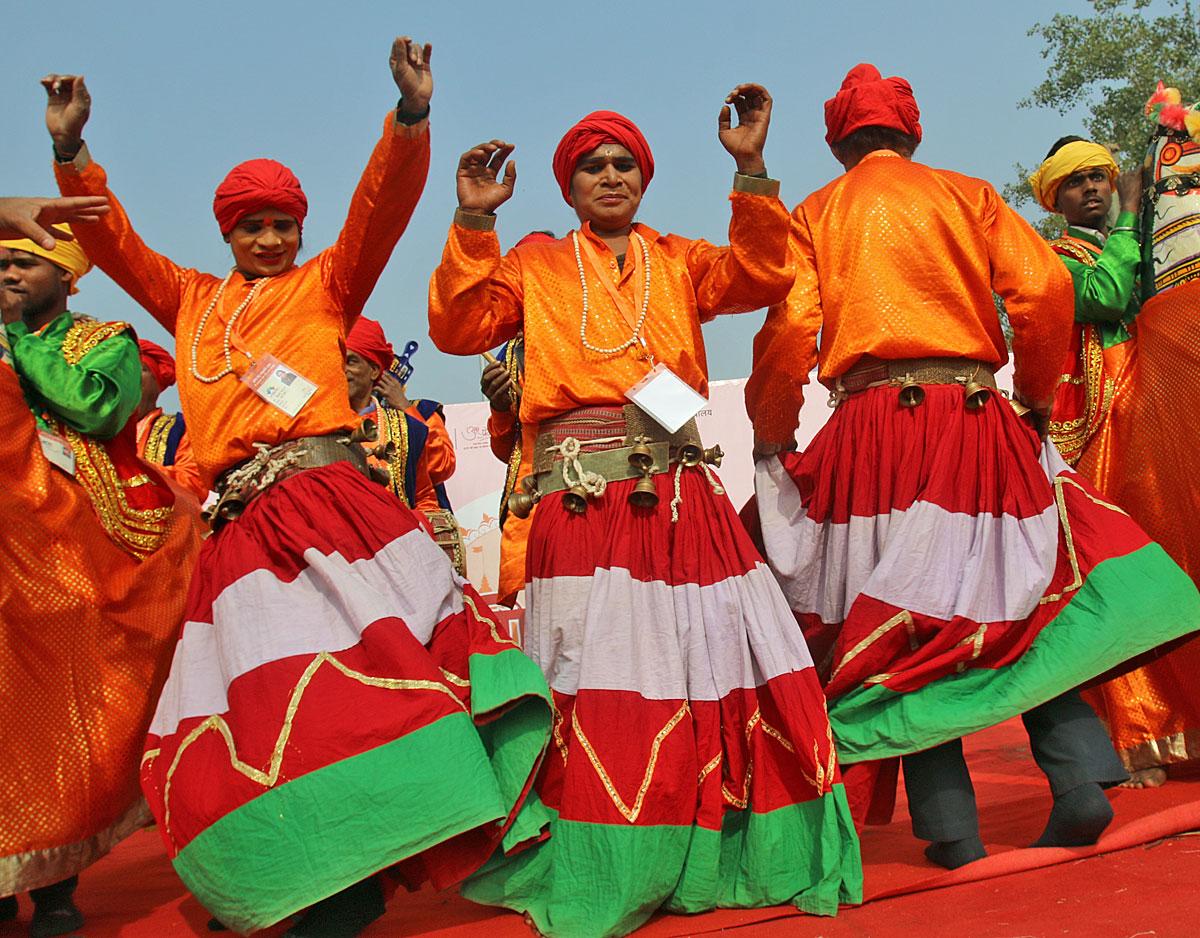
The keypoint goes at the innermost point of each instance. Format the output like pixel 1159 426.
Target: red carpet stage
pixel 1142 879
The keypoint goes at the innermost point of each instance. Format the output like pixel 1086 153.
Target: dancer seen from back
pixel 338 702
pixel 689 723
pixel 949 569
pixel 1118 406
pixel 94 560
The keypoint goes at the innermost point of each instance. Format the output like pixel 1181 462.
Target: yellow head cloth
pixel 1077 155
pixel 66 254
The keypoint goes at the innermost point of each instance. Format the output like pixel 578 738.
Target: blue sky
pixel 183 91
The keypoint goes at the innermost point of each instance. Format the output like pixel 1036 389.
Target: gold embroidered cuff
pixel 474 220
pixel 755 185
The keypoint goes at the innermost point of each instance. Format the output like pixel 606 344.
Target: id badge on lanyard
pixel 57 451
pixel 667 398
pixel 279 385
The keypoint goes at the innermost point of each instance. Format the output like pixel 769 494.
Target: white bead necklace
pixel 637 329
pixel 228 369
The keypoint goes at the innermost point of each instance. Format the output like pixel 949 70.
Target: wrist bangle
pixel 409 119
pixel 1128 228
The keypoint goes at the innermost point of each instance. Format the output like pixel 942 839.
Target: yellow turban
pixel 1077 155
pixel 66 254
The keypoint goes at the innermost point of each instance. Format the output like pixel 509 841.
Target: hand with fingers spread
pixel 745 141
pixel 31 217
pixel 410 70
pixel 480 186
pixel 68 106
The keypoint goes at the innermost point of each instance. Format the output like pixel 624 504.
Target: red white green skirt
pixel 692 764
pixel 950 571
pixel 339 702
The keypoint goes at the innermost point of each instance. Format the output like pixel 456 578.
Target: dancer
pixel 949 569
pixel 338 701
pixel 94 562
pixel 689 723
pixel 1117 408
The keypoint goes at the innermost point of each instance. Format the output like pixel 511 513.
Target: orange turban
pixel 254 186
pixel 597 128
pixel 366 339
pixel 866 99
pixel 159 361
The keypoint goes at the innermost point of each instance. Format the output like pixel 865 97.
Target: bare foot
pixel 1146 778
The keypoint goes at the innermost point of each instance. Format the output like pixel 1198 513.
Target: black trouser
pixel 1068 742
pixel 55 893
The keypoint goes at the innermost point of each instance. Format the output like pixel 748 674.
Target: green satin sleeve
pixel 96 396
pixel 1105 293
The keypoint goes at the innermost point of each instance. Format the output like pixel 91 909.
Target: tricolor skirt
pixel 950 571
pixel 692 764
pixel 340 701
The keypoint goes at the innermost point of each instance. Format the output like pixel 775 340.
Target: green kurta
pixel 97 396
pixel 1106 294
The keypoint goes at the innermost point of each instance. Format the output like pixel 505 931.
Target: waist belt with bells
pixel 582 451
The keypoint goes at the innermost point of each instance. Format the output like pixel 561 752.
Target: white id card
pixel 665 397
pixel 57 451
pixel 279 385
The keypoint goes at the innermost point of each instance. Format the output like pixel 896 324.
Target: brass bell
pixel 366 432
pixel 230 509
pixel 575 499
pixel 690 454
pixel 521 502
pixel 640 456
pixel 644 494
pixel 977 394
pixel 713 455
pixel 911 392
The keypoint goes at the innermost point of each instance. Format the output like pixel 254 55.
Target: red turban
pixel 366 339
pixel 597 128
pixel 256 185
pixel 537 237
pixel 868 100
pixel 159 361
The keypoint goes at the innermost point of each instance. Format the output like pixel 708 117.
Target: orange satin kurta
pixel 439 448
pixel 299 316
pixel 514 536
pixel 184 471
pixel 478 300
pixel 898 260
pixel 87 633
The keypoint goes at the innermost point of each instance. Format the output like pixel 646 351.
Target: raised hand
pixel 745 141
pixel 30 217
pixel 68 106
pixel 480 187
pixel 1129 190
pixel 410 71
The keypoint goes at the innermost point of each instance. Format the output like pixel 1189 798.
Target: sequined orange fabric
pixel 1144 459
pixel 183 471
pixel 478 300
pixel 298 316
pixel 898 260
pixel 86 637
pixel 439 454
